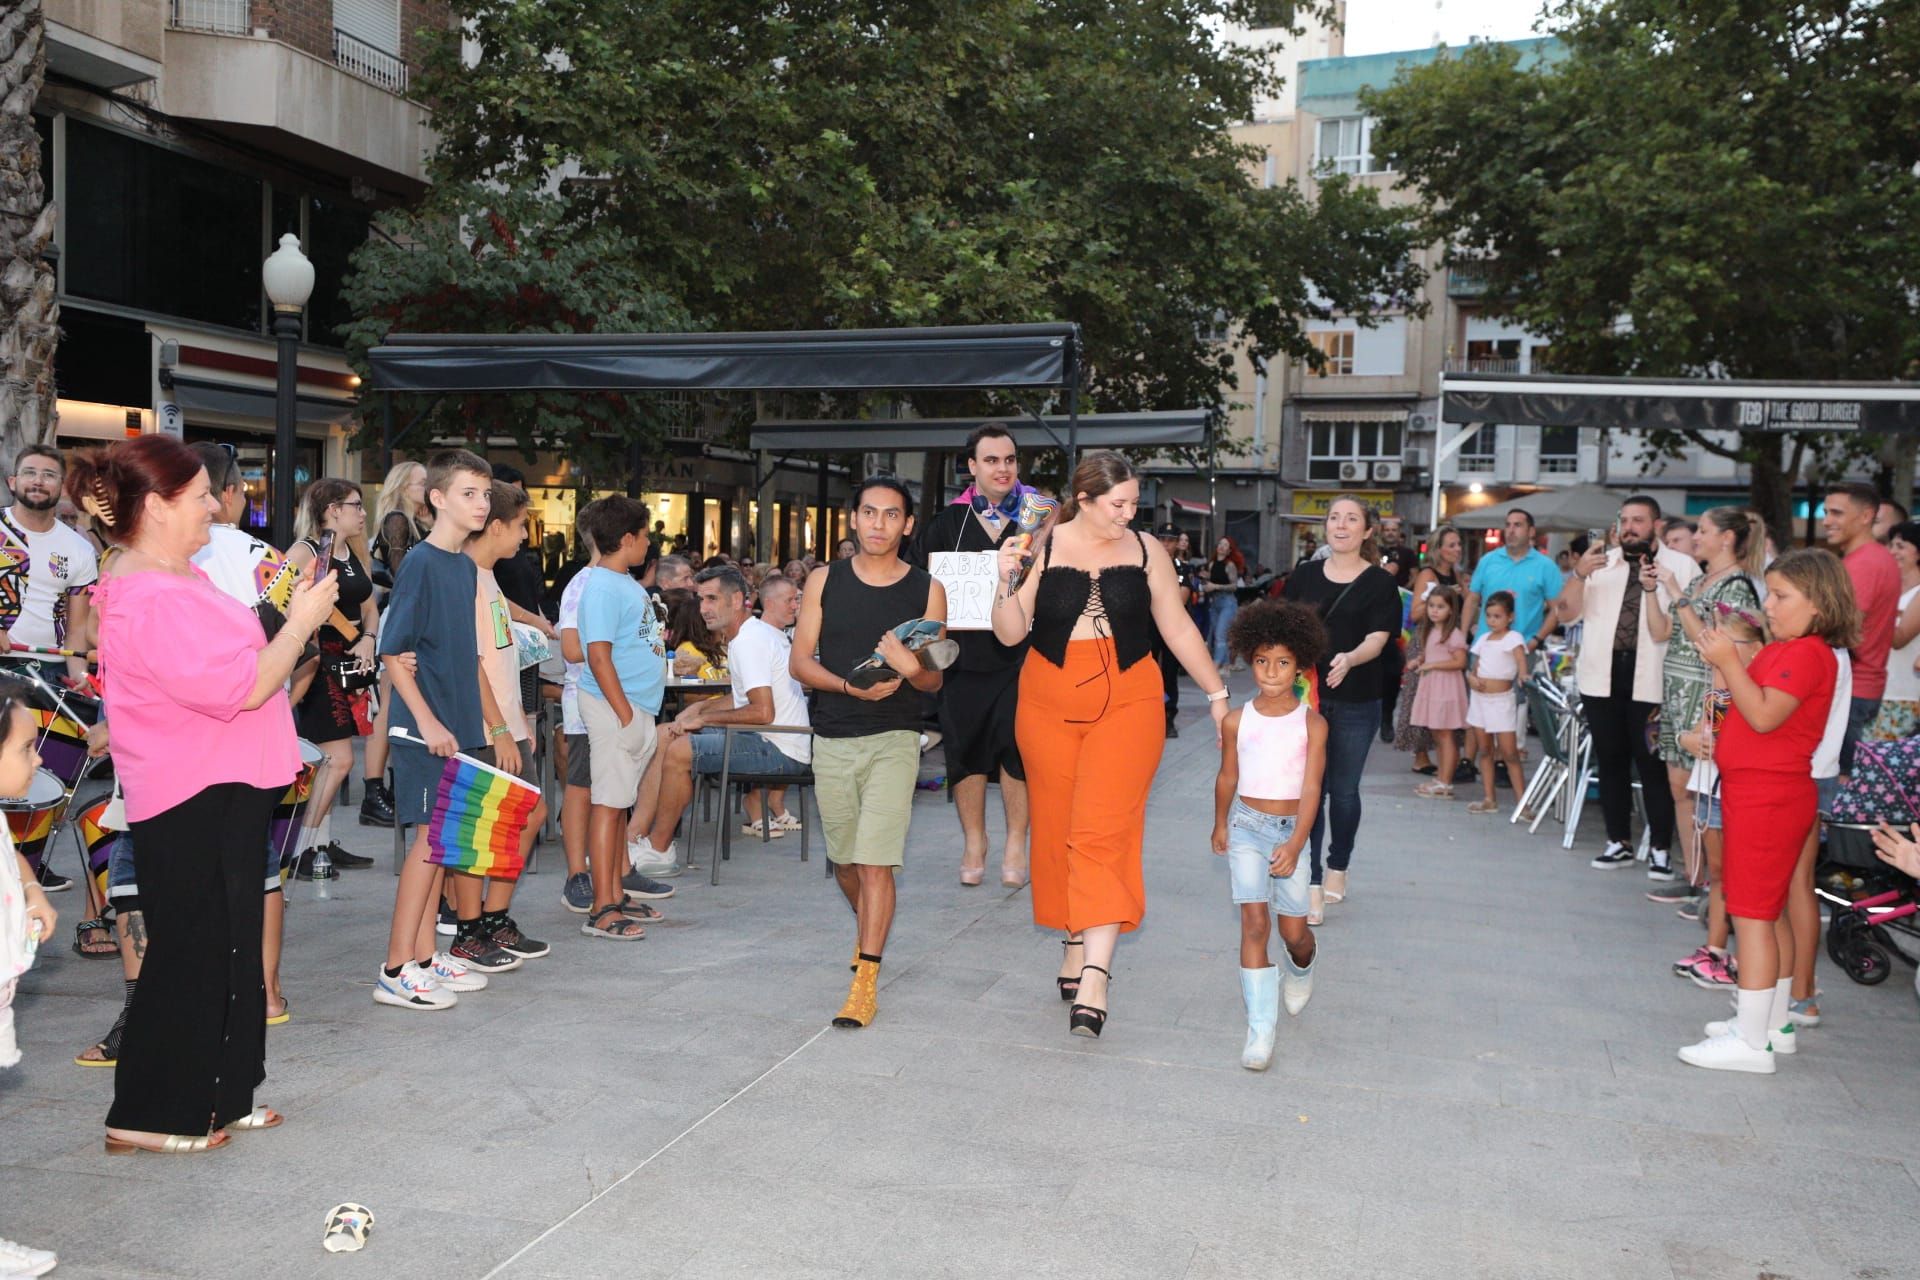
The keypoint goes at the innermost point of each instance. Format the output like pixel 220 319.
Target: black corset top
pixel 1116 598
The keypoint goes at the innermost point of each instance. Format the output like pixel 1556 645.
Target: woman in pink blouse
pixel 203 743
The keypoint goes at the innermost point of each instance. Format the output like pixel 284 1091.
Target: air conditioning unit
pixel 1416 422
pixel 1353 472
pixel 1386 473
pixel 1417 458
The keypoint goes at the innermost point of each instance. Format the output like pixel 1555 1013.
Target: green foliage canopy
pixel 1719 189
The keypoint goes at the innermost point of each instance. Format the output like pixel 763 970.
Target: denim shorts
pixel 752 753
pixel 123 890
pixel 1251 839
pixel 1708 808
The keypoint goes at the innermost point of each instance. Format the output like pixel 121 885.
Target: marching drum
pixel 33 817
pixel 62 718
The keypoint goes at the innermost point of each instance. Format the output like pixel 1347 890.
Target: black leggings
pixel 1620 747
pixel 195 1045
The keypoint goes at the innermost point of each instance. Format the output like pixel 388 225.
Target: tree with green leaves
pixel 1702 190
pixel 852 164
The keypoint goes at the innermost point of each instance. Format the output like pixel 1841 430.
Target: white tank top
pixel 1903 682
pixel 1273 753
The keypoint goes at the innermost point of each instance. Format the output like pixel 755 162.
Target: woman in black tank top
pixel 1091 722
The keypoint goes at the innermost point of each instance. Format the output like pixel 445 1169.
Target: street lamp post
pixel 288 278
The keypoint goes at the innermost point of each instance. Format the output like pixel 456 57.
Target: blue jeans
pixel 1351 727
pixel 1225 606
pixel 1860 714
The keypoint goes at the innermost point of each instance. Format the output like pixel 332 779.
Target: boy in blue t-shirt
pixel 620 693
pixel 442 701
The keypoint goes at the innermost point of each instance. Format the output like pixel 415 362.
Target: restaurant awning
pixel 1166 429
pixel 1016 356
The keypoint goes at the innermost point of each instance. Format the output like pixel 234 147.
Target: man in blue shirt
pixel 1533 579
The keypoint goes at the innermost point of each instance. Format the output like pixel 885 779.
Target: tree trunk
pixel 1771 491
pixel 29 309
pixel 1897 461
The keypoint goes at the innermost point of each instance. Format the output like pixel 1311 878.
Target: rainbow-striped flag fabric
pixel 479 816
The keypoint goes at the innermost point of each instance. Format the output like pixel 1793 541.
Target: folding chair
pixel 800 782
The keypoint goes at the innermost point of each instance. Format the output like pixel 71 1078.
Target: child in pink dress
pixel 1440 701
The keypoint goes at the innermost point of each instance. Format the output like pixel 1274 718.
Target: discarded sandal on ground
pixel 347 1227
pixel 172 1144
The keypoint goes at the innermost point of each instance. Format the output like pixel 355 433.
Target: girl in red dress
pixel 1767 796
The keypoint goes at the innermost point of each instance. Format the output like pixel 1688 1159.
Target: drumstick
pixel 37 651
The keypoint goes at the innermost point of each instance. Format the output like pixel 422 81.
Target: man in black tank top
pixel 866 753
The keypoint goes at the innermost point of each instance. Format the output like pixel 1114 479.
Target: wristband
pixel 1219 695
pixel 497 731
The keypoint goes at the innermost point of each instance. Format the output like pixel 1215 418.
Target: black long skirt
pixel 195 1045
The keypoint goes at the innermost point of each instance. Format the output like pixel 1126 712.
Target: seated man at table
pixel 764 692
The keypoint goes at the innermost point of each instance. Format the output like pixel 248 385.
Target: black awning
pixel 1165 429
pixel 1030 356
pixel 1680 404
pixel 208 395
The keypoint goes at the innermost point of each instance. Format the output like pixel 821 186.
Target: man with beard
pixel 45 567
pixel 982 687
pixel 1621 671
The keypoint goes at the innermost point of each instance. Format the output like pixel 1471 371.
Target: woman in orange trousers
pixel 1091 722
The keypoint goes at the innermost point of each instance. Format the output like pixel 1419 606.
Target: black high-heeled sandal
pixel 1084 1019
pixel 1069 987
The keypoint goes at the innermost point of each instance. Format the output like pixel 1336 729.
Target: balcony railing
pixel 228 16
pixel 1559 465
pixel 1476 464
pixel 1485 364
pixel 369 62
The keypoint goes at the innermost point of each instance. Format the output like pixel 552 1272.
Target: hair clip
pixel 1726 610
pixel 95 502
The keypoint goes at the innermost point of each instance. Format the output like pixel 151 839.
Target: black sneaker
pixel 1616 855
pixel 477 951
pixel 52 881
pixel 1173 730
pixel 345 860
pixel 1660 867
pixel 510 940
pixel 447 924
pixel 376 807
pixel 1675 893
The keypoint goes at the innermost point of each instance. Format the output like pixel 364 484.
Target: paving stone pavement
pixel 1484 1086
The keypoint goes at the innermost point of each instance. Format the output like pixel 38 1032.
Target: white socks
pixel 1782 1012
pixel 1753 1016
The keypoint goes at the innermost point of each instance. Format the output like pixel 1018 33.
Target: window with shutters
pixel 366 41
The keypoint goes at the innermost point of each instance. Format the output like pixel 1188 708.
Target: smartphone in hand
pixel 323 558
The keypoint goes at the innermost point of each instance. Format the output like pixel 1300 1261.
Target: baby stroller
pixel 1875 908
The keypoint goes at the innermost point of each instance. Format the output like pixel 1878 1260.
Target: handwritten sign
pixel 968 577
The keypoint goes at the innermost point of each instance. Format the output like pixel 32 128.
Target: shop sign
pixel 1315 502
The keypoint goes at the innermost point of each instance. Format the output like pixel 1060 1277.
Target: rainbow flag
pixel 479 816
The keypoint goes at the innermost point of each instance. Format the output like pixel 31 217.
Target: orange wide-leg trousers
pixel 1090 737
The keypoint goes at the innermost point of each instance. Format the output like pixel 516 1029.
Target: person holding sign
pixel 960 547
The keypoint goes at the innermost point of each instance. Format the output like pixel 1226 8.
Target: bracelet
pixel 497 731
pixel 844 688
pixel 1219 695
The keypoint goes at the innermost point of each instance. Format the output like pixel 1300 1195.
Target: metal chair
pixel 800 782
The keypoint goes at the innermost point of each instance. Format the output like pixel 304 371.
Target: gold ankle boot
pixel 863 997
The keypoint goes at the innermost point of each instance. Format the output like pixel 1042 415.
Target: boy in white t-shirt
pixel 485 929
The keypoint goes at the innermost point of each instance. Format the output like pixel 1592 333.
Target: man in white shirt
pixel 764 692
pixel 45 567
pixel 1622 671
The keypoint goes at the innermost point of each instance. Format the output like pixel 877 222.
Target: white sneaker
pixel 454 976
pixel 658 864
pixel 1728 1053
pixel 412 988
pixel 18 1260
pixel 1782 1040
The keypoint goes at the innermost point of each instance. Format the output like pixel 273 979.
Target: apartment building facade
pixel 1368 422
pixel 181 139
